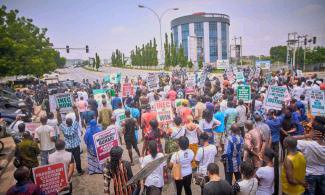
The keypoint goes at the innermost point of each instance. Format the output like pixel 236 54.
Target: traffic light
pixel 314 40
pixel 67 48
pixel 87 49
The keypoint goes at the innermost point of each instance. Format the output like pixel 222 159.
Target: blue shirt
pixel 135 113
pixel 275 127
pixel 220 116
pixel 115 102
pixel 233 152
pixel 88 116
pixel 71 135
pixel 296 121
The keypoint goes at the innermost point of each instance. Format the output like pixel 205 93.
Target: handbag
pixel 199 178
pixel 171 145
pixel 177 169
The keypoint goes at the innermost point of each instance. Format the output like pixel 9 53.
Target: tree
pixel 167 51
pixel 173 51
pixel 317 55
pixel 60 61
pixel 278 54
pixel 97 61
pixel 24 48
pixel 190 64
pixel 181 59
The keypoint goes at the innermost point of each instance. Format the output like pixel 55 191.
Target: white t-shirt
pixel 184 157
pixel 297 92
pixel 204 125
pixel 156 178
pixel 177 132
pixel 210 151
pixel 53 123
pixel 44 134
pixel 192 136
pixel 266 178
pixel 248 187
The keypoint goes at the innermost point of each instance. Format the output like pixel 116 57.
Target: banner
pixel 127 89
pixel 317 102
pixel 275 97
pixel 244 93
pixel 222 64
pixel 98 93
pixel 104 142
pixel 164 111
pixel 152 81
pixel 263 64
pixel 240 77
pixel 64 101
pixel 257 73
pixel 50 178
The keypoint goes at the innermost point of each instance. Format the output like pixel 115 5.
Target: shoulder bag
pixel 177 169
pixel 199 178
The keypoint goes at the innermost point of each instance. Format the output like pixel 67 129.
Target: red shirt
pixel 145 120
pixel 172 95
pixel 185 112
pixel 322 86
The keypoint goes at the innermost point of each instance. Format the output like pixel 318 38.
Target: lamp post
pixel 159 17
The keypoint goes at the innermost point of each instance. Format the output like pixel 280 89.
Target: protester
pixel 265 174
pixel 45 135
pixel 154 133
pixel 155 181
pixel 205 154
pixel 72 140
pixel 105 115
pixel 184 157
pixel 94 167
pixel 24 185
pixel 248 185
pixel 192 132
pixel 82 106
pixel 119 115
pixel 216 186
pixel 208 124
pixel 253 144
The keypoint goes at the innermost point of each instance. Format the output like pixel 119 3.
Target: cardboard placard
pixel 51 178
pixel 263 64
pixel 152 81
pixel 317 102
pixel 104 142
pixel 127 89
pixel 64 101
pixel 164 111
pixel 240 76
pixel 244 93
pixel 98 93
pixel 257 73
pixel 299 73
pixel 275 97
pixel 222 64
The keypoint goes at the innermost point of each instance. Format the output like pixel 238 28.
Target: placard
pixel 251 73
pixel 51 178
pixel 317 102
pixel 190 83
pixel 263 64
pixel 299 73
pixel 222 64
pixel 230 74
pixel 257 73
pixel 82 94
pixel 64 101
pixel 31 127
pixel 127 89
pixel 52 102
pixel 240 76
pixel 104 142
pixel 164 111
pixel 244 93
pixel 275 97
pixel 152 82
pixel 98 93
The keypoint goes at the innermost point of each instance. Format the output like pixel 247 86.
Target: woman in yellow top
pixel 293 169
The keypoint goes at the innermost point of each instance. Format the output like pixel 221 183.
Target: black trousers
pixel 275 147
pixel 76 155
pixel 186 183
pixel 229 176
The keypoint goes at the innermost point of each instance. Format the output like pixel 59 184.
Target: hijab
pixel 92 129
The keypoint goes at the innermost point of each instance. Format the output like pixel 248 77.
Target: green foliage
pixel 200 63
pixel 146 55
pixel 118 59
pixel 190 64
pixel 317 55
pixel 24 48
pixel 167 51
pixel 174 55
pixel 278 54
pixel 181 57
pixel 97 61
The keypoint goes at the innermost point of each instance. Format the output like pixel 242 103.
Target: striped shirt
pixel 233 151
pixel 71 135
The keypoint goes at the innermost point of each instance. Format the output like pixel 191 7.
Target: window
pixel 198 29
pixel 185 34
pixel 213 41
pixel 224 40
pixel 199 33
pixel 175 34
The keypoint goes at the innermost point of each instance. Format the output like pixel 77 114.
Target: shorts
pixel 130 143
pixel 219 138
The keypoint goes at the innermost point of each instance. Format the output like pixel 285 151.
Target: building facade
pixel 204 36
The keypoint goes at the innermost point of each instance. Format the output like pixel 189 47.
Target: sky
pixel 106 25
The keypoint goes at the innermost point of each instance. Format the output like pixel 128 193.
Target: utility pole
pixel 238 49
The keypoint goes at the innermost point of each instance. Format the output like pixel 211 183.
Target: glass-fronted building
pixel 204 36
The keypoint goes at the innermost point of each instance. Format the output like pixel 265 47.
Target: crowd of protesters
pixel 263 151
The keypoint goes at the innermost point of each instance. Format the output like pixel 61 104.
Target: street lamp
pixel 159 17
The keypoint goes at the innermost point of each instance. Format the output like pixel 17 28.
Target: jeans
pixel 45 156
pixel 76 155
pixel 316 184
pixel 275 147
pixel 229 176
pixel 186 182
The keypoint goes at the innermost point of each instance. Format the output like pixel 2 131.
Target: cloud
pixel 119 30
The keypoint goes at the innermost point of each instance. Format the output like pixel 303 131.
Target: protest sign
pixel 299 73
pixel 240 77
pixel 268 77
pixel 31 127
pixel 257 73
pixel 64 101
pixel 164 111
pixel 234 68
pixel 104 142
pixel 317 102
pixel 263 64
pixel 98 95
pixel 190 83
pixel 251 73
pixel 127 89
pixel 152 81
pixel 82 94
pixel 275 97
pixel 244 93
pixel 230 74
pixel 52 103
pixel 222 64
pixel 120 117
pixel 50 178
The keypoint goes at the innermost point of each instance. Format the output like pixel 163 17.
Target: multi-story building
pixel 204 36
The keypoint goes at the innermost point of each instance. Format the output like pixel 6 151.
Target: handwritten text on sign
pixel 104 142
pixel 50 178
pixel 64 102
pixel 275 97
pixel 164 111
